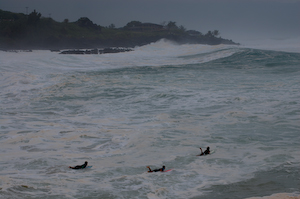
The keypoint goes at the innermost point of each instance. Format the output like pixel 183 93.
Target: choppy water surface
pixel 153 106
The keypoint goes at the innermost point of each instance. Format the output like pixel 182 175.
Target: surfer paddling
pixel 79 166
pixel 206 152
pixel 156 170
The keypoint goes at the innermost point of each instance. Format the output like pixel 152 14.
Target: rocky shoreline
pixel 97 51
pixel 86 51
pixel 83 51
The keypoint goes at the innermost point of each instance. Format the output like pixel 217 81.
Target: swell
pixel 254 58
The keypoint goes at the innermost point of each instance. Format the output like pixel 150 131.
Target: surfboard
pixel 167 170
pixel 88 167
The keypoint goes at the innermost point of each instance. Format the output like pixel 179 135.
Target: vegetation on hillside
pixel 20 31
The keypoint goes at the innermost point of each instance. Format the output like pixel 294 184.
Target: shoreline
pixel 88 44
pixel 78 51
pixel 94 50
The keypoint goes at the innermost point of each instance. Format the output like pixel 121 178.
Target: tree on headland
pixel 112 26
pixel 172 26
pixel 133 24
pixel 194 33
pixel 182 28
pixel 33 18
pixel 87 23
pixel 216 33
pixel 209 34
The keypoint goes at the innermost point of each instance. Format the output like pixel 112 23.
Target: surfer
pixel 205 152
pixel 80 166
pixel 156 170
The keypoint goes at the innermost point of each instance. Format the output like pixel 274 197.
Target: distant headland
pixel 31 32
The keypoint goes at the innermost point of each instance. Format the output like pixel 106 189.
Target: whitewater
pixel 153 106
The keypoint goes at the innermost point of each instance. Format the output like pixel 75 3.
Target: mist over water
pixel 153 106
pixel 276 43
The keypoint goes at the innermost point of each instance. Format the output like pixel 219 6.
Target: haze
pixel 235 19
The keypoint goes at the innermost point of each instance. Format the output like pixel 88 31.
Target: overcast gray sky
pixel 235 19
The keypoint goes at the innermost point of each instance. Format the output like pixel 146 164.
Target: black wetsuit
pixel 156 170
pixel 206 152
pixel 80 166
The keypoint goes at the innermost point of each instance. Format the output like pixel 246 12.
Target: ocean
pixel 153 106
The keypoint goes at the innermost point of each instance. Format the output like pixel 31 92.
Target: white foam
pixel 154 122
pixel 161 53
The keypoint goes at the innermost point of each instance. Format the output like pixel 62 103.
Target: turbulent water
pixel 153 106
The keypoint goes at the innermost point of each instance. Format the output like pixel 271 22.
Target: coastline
pixel 105 48
pixel 34 32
